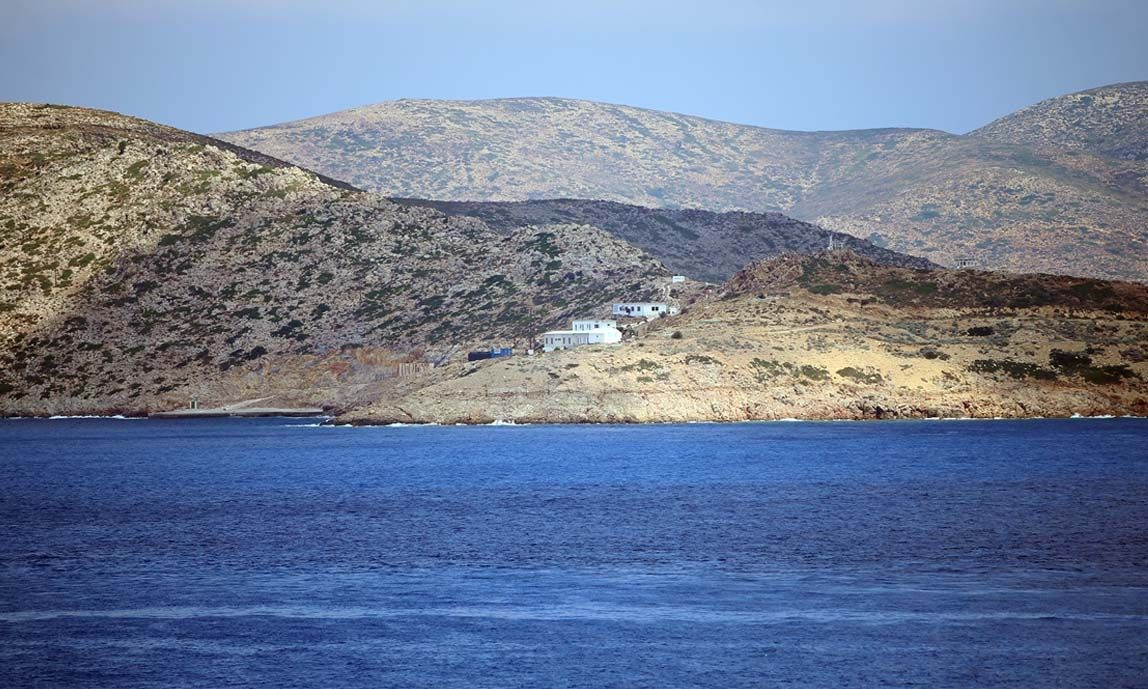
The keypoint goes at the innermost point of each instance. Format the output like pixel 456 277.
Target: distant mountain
pixel 141 266
pixel 991 195
pixel 1109 121
pixel 701 244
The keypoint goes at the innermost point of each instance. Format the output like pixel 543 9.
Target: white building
pixel 677 278
pixel 584 325
pixel 644 310
pixel 581 333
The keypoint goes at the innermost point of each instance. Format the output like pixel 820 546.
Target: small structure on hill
pixel 677 278
pixel 644 309
pixel 493 353
pixel 581 334
pixel 965 262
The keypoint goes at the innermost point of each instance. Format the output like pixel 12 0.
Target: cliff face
pixel 1077 203
pixel 141 266
pixel 831 337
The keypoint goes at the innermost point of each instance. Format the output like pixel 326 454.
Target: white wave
pixel 96 416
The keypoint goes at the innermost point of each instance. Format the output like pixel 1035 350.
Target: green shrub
pixel 814 372
pixel 1014 369
pixel 1069 361
pixel 135 170
pixel 1107 375
pixel 866 377
pixel 642 365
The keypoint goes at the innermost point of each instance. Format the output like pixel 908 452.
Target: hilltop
pixel 1110 121
pixel 701 244
pixel 141 266
pixel 830 337
pixel 990 195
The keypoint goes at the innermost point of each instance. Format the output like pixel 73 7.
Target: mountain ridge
pixel 924 192
pixel 697 243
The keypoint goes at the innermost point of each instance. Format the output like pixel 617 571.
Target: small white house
pixel 644 310
pixel 677 278
pixel 580 334
pixel 585 325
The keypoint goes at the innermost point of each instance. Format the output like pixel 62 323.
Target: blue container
pixel 505 351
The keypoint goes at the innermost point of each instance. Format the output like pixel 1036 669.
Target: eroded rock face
pixel 1058 188
pixel 141 266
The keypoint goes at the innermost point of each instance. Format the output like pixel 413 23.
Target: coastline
pixel 328 421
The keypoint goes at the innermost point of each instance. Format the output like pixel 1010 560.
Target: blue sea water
pixel 264 553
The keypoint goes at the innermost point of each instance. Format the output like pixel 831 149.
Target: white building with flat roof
pixel 644 309
pixel 581 333
pixel 587 324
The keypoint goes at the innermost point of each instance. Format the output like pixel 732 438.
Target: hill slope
pixel 1109 121
pixel 700 244
pixel 832 336
pixel 921 192
pixel 141 266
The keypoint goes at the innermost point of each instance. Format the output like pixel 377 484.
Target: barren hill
pixel 829 337
pixel 701 244
pixel 141 266
pixel 1110 121
pixel 929 193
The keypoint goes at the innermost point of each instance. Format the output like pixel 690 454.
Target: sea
pixel 279 553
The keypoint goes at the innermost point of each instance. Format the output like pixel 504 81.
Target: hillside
pixel 829 337
pixel 701 244
pixel 921 192
pixel 141 266
pixel 1110 121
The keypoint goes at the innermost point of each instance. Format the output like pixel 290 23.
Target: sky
pixel 221 65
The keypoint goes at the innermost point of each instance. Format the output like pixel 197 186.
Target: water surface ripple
pixel 235 553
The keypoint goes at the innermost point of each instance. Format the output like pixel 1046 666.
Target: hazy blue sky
pixel 214 65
